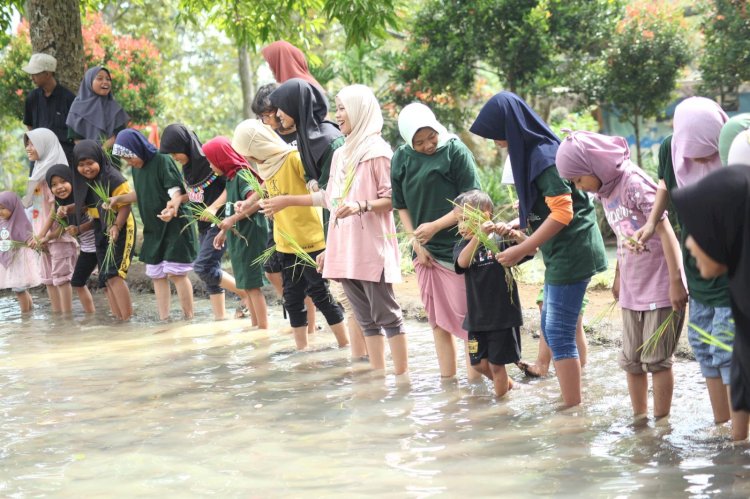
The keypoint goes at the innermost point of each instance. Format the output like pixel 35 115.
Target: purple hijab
pixel 697 125
pixel 531 144
pixel 18 224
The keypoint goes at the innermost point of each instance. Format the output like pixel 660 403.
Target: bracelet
pixel 359 206
pixel 368 206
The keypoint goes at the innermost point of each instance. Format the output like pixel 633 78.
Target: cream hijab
pixel 364 142
pixel 416 116
pixel 50 153
pixel 254 139
pixel 739 152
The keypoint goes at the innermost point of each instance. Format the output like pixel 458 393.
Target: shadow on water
pixel 91 407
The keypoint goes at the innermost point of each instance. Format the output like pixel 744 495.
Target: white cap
pixel 40 63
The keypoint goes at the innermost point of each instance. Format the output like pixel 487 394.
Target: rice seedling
pixel 649 346
pixel 303 257
pixel 634 245
pixel 251 180
pixel 61 221
pixel 710 339
pixel 604 314
pixel 102 193
pixel 264 257
pixel 348 182
pixel 198 212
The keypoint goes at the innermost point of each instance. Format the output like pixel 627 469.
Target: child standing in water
pixel 60 181
pixel 93 168
pixel 427 172
pixel 226 162
pixel 168 251
pixel 494 313
pixel 59 251
pixel 19 265
pixel 648 279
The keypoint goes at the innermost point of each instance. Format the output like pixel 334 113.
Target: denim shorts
pixel 717 321
pixel 562 304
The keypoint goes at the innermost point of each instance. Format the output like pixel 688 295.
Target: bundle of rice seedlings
pixel 264 257
pixel 345 189
pixel 635 245
pixel 667 327
pixel 710 339
pixel 303 257
pixel 604 314
pixel 251 180
pixel 61 221
pixel 198 212
pixel 102 193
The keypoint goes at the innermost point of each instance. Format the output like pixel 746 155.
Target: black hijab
pixel 307 105
pixel 64 172
pixel 176 138
pixel 716 212
pixel 108 175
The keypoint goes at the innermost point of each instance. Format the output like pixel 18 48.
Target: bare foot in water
pixel 531 370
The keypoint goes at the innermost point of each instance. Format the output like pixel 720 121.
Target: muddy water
pixel 91 408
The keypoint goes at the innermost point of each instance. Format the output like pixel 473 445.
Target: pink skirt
pixel 444 297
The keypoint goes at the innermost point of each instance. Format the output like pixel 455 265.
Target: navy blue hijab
pixel 531 144
pixel 130 142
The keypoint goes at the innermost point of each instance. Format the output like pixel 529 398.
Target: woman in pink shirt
pixel 359 251
pixel 648 282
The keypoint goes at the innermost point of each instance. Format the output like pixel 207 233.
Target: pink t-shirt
pixel 63 246
pixel 359 247
pixel 644 276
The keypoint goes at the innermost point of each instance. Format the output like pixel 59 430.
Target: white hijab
pixel 739 151
pixel 50 153
pixel 416 116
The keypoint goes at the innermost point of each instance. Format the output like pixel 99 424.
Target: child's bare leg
pixel 483 368
pixel 357 338
pixel 663 387
pixel 339 331
pixel 500 379
pixel 569 377
pixel 638 390
pixel 275 279
pixel 121 297
pixel 218 305
pixel 112 303
pixel 65 292
pixel 300 337
pixel 376 347
pixel 740 424
pixel 185 293
pixel 581 342
pixel 87 301
pixel 163 297
pixel 54 297
pixel 399 353
pixel 446 352
pixel 471 373
pixel 310 307
pixel 717 394
pixel 25 301
pixel 259 309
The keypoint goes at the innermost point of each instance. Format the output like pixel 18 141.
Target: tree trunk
pixel 637 128
pixel 246 81
pixel 55 29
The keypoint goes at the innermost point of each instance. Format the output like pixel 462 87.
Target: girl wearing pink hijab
pixel 648 279
pixel 287 62
pixel 687 156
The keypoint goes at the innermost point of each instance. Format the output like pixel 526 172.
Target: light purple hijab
pixel 697 125
pixel 607 158
pixel 18 225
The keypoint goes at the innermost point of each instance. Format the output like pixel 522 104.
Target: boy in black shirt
pixel 494 309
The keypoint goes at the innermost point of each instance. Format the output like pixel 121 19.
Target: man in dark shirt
pixel 47 105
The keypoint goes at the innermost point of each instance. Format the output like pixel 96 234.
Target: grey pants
pixel 374 306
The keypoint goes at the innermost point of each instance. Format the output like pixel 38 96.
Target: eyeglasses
pixel 268 117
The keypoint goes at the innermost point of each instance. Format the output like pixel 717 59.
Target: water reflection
pixel 96 408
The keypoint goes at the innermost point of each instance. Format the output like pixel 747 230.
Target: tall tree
pixel 55 28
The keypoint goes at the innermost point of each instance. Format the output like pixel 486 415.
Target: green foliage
pixel 725 62
pixel 7 9
pixel 14 82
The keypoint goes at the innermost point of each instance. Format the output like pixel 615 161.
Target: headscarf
pixel 94 116
pixel 716 212
pixel 532 146
pixel 739 153
pixel 254 139
pixel 415 116
pixel 365 140
pixel 729 131
pixel 50 153
pixel 287 62
pixel 18 224
pixel 307 106
pixel 109 176
pixel 697 125
pixel 64 172
pixel 176 138
pixel 131 143
pixel 220 153
pixel 606 158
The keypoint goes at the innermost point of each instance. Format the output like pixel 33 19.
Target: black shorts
pixel 499 347
pixel 85 265
pixel 274 264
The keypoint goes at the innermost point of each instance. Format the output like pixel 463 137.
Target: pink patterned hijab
pixel 697 125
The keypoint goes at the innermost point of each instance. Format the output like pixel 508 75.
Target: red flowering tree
pixel 133 63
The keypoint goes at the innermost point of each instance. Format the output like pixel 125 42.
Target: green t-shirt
pixel 426 186
pixel 325 161
pixel 254 229
pixel 576 252
pixel 162 241
pixel 711 292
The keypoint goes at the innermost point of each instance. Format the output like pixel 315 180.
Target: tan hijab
pixel 254 139
pixel 364 142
